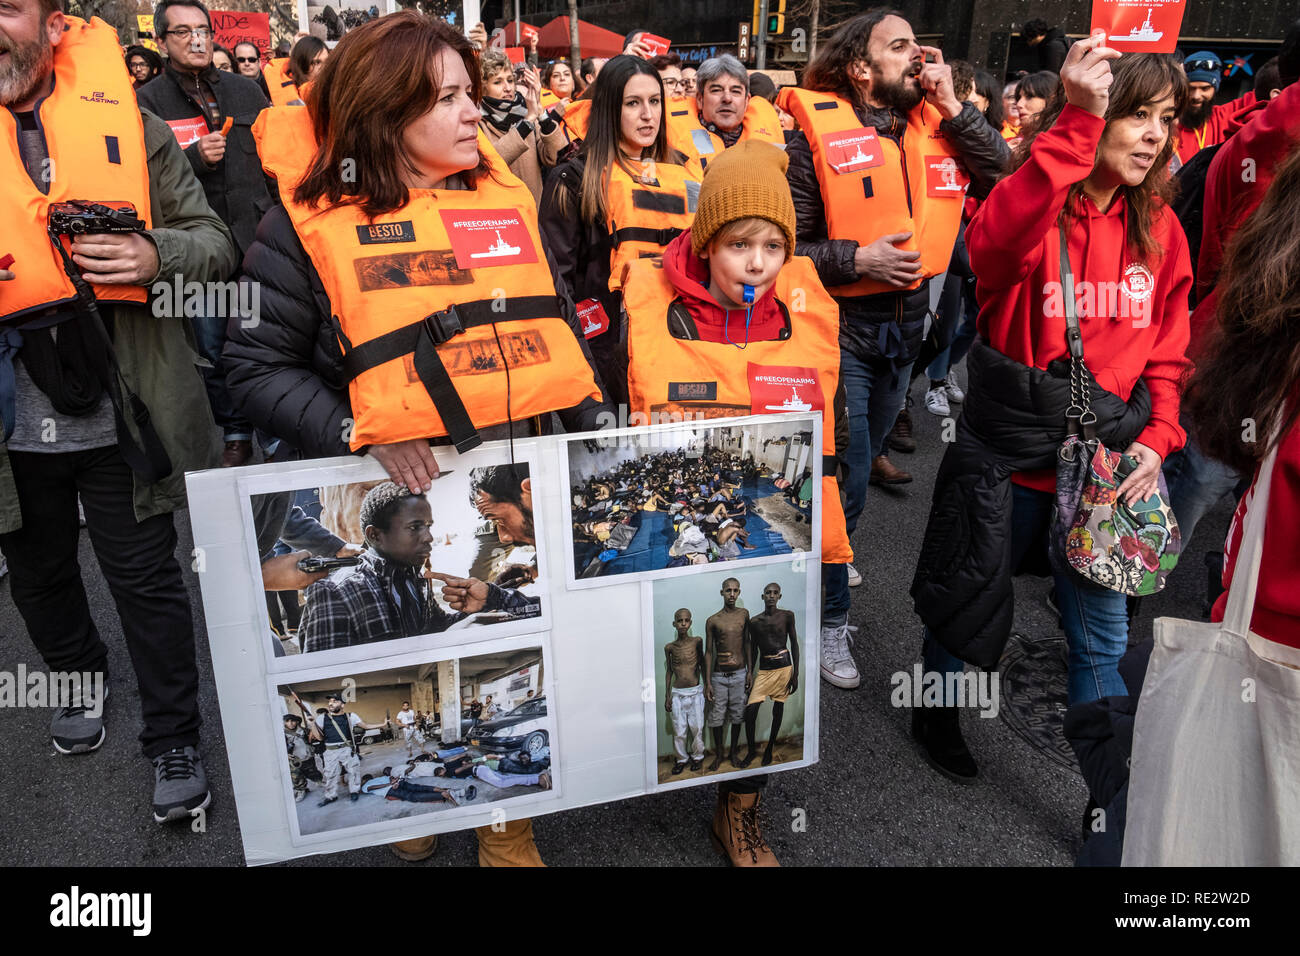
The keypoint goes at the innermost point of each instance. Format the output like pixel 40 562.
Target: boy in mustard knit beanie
pixel 731 322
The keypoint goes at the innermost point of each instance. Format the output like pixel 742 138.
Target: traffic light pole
pixel 760 41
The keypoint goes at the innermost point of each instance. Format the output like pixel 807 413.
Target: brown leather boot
pixel 735 831
pixel 512 846
pixel 413 851
pixel 884 472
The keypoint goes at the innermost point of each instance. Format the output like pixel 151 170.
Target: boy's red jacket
pixel 1133 314
pixel 1277 596
pixel 689 275
pixel 1235 185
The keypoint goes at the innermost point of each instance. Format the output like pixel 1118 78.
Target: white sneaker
pixel 955 393
pixel 936 402
pixel 837 663
pixel 854 578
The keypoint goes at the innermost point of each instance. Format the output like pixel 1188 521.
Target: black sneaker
pixel 938 731
pixel 180 786
pixel 79 728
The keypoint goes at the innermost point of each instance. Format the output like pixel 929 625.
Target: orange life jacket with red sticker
pixel 280 84
pixel 95 139
pixel 672 375
pixel 643 217
pixel 687 134
pixel 871 187
pixel 446 310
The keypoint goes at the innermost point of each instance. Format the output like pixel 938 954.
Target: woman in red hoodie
pixel 1245 397
pixel 1095 165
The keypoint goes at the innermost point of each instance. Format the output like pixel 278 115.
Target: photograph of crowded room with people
pixel 691 495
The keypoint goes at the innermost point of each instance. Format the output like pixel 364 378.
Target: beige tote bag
pixel 1215 777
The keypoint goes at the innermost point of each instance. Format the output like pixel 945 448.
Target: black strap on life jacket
pixel 423 338
pixel 660 237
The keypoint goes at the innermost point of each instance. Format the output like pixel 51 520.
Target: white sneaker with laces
pixel 936 402
pixel 854 578
pixel 837 663
pixel 955 393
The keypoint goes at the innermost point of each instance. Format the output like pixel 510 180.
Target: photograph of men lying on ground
pixel 346 565
pixel 350 761
pixel 728 651
pixel 696 494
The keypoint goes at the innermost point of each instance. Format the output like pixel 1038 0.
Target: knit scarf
pixel 503 114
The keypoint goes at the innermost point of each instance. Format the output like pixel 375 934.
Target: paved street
pixel 871 800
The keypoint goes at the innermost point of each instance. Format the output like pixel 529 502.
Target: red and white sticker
pixel 1137 282
pixel 591 315
pixel 852 149
pixel 483 238
pixel 784 388
pixel 656 45
pixel 188 130
pixel 1139 26
pixel 945 177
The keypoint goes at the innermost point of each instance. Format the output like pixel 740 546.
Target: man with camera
pixel 99 398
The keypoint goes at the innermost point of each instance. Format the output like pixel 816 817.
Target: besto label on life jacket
pixel 379 232
pixel 484 238
pixel 784 388
pixel 853 149
pixel 591 314
pixel 188 130
pixel 692 391
pixel 944 177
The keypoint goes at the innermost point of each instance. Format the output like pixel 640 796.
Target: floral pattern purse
pixel 1131 547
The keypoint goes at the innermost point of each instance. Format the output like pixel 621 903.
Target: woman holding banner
pixel 401 220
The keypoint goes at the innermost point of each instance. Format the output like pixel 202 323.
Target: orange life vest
pixel 872 188
pixel 279 83
pixel 1009 132
pixel 643 218
pixel 577 119
pixel 688 135
pixel 547 99
pixel 446 310
pixel 95 138
pixel 671 377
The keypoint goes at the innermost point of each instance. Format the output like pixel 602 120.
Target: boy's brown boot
pixel 735 831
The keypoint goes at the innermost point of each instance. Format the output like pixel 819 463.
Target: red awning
pixel 553 42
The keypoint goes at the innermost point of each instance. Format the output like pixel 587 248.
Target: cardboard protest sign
pixel 1139 26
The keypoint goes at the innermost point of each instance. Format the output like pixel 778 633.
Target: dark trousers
pixel 138 560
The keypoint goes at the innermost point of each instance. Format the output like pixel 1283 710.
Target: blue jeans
pixel 874 392
pixel 1095 618
pixel 210 337
pixel 1196 483
pixel 835 594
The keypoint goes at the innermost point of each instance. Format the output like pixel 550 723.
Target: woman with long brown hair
pixel 401 231
pixel 1245 395
pixel 1089 195
pixel 592 221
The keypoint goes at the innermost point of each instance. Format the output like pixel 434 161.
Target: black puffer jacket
pixel 891 324
pixel 237 190
pixel 285 372
pixel 1013 420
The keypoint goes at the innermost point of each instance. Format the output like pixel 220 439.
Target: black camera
pixel 80 217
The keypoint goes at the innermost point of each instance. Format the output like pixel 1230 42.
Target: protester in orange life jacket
pixel 307 57
pixel 1201 123
pixel 1011 125
pixel 721 114
pixel 669 66
pixel 879 221
pixel 1095 169
pixel 373 252
pixel 622 197
pixel 688 321
pixel 197 100
pixel 65 428
pixel 527 137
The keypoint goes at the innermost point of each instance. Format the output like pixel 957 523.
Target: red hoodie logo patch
pixel 784 388
pixel 1138 283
